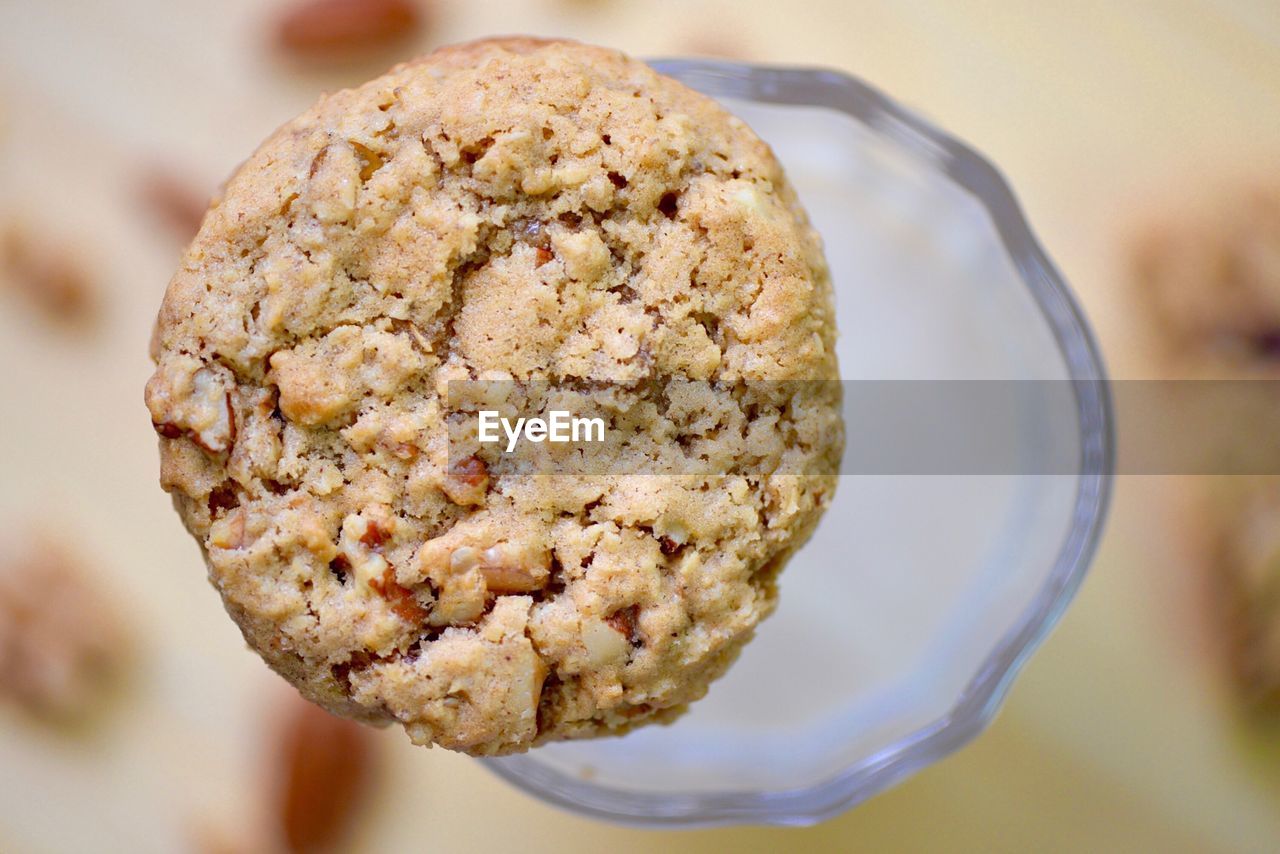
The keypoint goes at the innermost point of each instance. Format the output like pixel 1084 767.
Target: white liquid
pixel 910 582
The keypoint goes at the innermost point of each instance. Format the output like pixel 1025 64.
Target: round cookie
pixel 512 210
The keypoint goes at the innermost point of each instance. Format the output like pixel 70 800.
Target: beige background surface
pixel 1118 735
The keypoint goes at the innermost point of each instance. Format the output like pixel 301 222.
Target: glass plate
pixel 902 623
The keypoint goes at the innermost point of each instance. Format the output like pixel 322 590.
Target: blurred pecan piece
pixel 317 29
pixel 62 645
pixel 174 201
pixel 326 765
pixel 1206 292
pixel 48 276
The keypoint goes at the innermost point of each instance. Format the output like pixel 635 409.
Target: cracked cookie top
pixel 521 211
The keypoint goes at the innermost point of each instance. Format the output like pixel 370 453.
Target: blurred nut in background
pixel 1207 288
pixel 1208 285
pixel 46 274
pixel 62 644
pixel 323 29
pixel 173 200
pixel 1246 564
pixel 716 43
pixel 326 768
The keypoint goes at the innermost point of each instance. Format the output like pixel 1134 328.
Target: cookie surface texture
pixel 519 211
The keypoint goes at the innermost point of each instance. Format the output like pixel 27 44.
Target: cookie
pixel 524 212
pixel 1209 290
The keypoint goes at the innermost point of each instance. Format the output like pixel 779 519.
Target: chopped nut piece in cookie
pixel 223 498
pixel 514 568
pixel 464 560
pixel 586 258
pixel 374 536
pixel 361 545
pixel 467 481
pixel 626 620
pixel 400 598
pixel 228 531
pixel 361 540
pixel 605 643
pixel 193 400
pixel 467 575
pixel 460 599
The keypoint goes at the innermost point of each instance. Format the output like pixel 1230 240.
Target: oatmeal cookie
pixel 523 211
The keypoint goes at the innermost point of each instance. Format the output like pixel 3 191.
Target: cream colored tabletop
pixel 1118 735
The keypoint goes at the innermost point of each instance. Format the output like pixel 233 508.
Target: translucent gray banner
pixel 891 427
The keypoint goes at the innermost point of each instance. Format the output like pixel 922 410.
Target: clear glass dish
pixel 904 620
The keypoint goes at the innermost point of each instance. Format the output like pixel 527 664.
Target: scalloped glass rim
pixel 988 687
